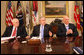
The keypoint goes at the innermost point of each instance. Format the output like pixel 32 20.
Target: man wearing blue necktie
pixel 42 30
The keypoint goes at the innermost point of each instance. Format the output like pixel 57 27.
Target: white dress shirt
pixel 67 27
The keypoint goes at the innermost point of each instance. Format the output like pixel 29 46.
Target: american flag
pixel 34 12
pixel 77 15
pixel 9 15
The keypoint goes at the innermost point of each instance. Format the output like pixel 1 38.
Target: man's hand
pixel 70 38
pixel 69 31
pixel 27 37
pixel 50 39
pixel 50 33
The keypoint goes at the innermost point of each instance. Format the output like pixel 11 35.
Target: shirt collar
pixel 66 25
pixel 14 27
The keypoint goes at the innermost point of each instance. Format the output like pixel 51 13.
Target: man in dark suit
pixel 42 30
pixel 67 29
pixel 15 30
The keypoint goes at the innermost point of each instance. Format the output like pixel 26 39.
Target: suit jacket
pixel 62 30
pixel 36 30
pixel 21 31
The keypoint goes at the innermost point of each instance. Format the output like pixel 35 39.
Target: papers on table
pixel 35 38
pixel 24 42
pixel 78 50
pixel 6 38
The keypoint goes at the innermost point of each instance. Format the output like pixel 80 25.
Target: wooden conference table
pixel 57 46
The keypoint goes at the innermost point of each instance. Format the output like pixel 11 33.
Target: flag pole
pixel 31 24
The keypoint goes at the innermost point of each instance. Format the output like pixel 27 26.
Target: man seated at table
pixel 15 30
pixel 67 29
pixel 42 30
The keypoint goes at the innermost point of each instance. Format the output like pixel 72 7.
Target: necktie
pixel 14 32
pixel 42 34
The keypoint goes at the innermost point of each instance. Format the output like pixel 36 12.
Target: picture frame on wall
pixel 55 8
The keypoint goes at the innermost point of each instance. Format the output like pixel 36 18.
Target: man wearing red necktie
pixel 15 30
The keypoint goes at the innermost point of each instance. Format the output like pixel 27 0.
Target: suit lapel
pixel 69 26
pixel 44 29
pixel 18 31
pixel 38 28
pixel 64 28
pixel 11 29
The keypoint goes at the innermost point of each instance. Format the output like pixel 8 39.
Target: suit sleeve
pixel 33 32
pixel 6 32
pixel 75 32
pixel 50 29
pixel 24 33
pixel 60 31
